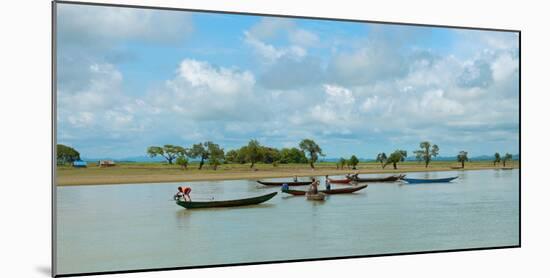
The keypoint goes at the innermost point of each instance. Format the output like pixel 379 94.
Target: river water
pixel 137 226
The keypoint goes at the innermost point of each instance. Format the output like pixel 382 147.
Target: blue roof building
pixel 80 164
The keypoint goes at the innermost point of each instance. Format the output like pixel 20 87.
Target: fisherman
pixel 313 187
pixel 284 187
pixel 327 183
pixel 183 193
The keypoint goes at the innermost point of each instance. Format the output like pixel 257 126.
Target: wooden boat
pixel 227 203
pixel 331 191
pixel 409 180
pixel 384 179
pixel 278 183
pixel 316 197
pixel 339 181
pixel 506 168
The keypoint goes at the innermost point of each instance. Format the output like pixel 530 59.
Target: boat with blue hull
pixel 410 180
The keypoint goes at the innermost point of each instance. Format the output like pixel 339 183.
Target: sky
pixel 132 78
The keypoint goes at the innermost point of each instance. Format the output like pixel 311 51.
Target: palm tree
pixel 462 157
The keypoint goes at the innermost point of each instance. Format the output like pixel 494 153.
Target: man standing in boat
pixel 327 183
pixel 314 185
pixel 183 193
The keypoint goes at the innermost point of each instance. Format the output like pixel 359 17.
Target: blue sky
pixel 131 78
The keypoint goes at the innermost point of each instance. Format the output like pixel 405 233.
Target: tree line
pixel 308 151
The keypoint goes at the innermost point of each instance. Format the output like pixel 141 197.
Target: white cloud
pixel 435 104
pixel 271 53
pixel 218 80
pixel 373 63
pixel 370 103
pixel 369 87
pixel 202 91
pixel 503 66
pixel 97 106
pixel 336 112
pixel 303 37
pixel 270 27
pixel 100 26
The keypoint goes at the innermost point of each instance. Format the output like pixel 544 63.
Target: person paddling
pixel 284 187
pixel 327 183
pixel 313 187
pixel 183 193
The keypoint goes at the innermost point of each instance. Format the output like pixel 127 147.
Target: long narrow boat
pixel 429 180
pixel 227 203
pixel 384 179
pixel 279 183
pixel 331 191
pixel 346 180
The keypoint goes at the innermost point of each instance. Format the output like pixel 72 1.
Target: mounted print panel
pixel 188 138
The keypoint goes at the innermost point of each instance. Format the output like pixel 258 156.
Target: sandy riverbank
pixel 157 172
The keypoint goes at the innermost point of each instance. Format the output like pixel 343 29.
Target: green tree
pixel 241 155
pixel 182 161
pixel 381 157
pixel 270 155
pixel 254 152
pixel 232 156
pixel 292 155
pixel 426 153
pixel 507 157
pixel 462 157
pixel 396 157
pixel 312 149
pixel 66 154
pixel 341 163
pixel 353 161
pixel 169 152
pixel 215 154
pixel 497 159
pixel 200 151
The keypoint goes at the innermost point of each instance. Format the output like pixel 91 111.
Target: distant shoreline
pixel 135 173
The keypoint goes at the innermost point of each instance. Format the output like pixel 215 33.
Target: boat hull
pixel 346 190
pixel 290 183
pixel 340 181
pixel 409 180
pixel 227 203
pixel 385 179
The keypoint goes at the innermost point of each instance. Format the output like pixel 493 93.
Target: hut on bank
pixel 80 164
pixel 106 163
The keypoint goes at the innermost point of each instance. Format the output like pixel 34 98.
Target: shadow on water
pixel 44 270
pixel 290 196
pixel 186 213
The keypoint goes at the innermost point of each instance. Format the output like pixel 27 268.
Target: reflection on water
pixel 118 227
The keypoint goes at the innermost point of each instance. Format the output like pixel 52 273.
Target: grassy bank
pixel 159 172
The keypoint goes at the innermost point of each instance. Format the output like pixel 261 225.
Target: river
pixel 138 226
